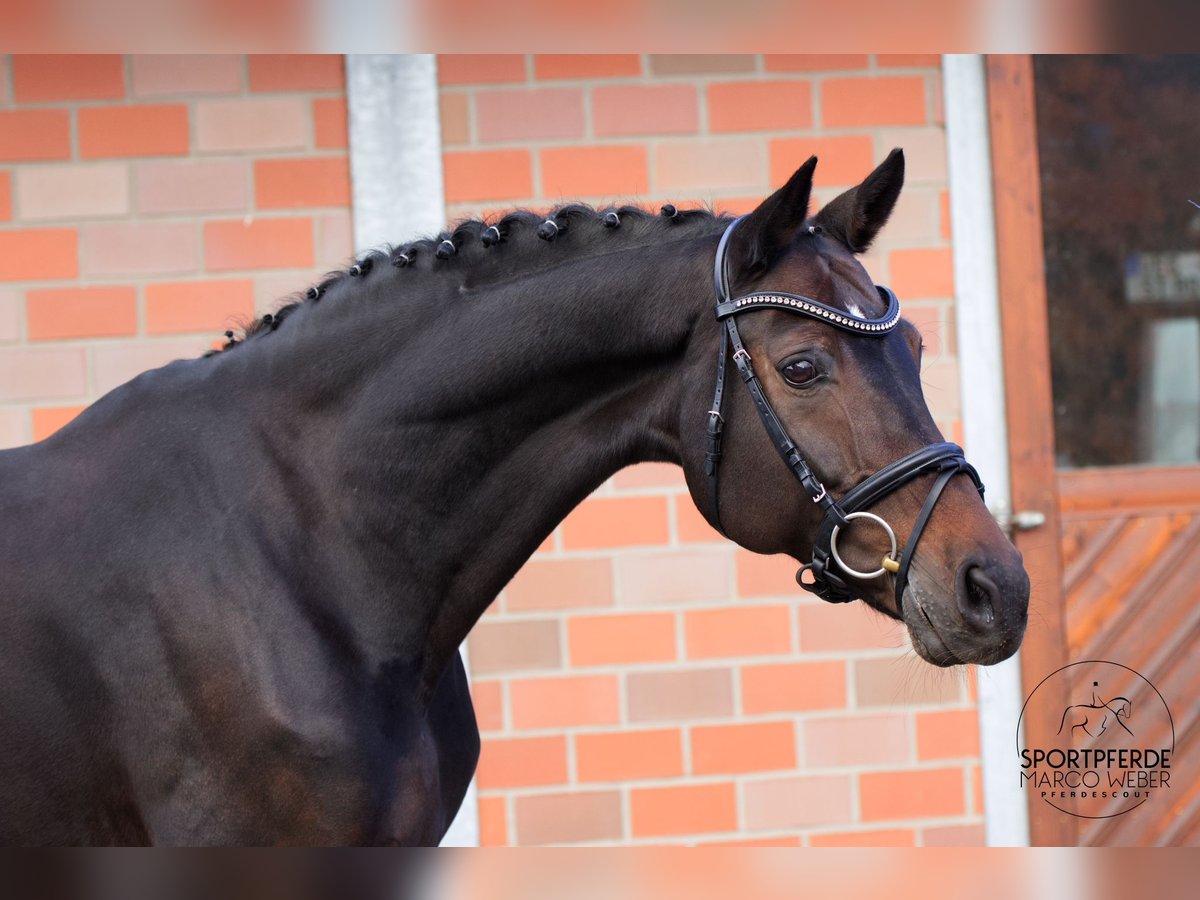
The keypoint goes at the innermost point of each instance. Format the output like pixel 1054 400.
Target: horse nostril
pixel 977 597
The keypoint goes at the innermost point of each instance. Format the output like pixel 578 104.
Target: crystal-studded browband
pixel 810 307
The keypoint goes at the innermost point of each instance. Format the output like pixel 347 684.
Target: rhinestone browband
pixel 808 306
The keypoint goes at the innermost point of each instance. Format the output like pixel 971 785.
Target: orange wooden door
pixel 1101 317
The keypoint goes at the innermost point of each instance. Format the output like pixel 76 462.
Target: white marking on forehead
pixel 855 310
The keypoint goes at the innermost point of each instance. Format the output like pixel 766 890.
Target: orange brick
pixel 737 631
pixel 730 164
pixel 891 837
pixel 258 244
pixel 849 627
pixel 649 475
pixel 601 171
pixel 296 72
pixel 793 687
pixel 922 272
pixel 756 747
pixel 616 522
pixel 39 254
pixel 165 74
pixel 526 115
pixel 629 755
pixel 843 160
pixel 493 822
pixel 747 843
pixel 480 68
pixel 568 818
pixel 909 60
pixel 476 175
pixel 871 102
pixel 561 584
pixel 522 762
pixel 944 213
pixel 296 183
pixel 911 794
pixel 799 801
pixel 37 78
pixel 488 699
pixel 692 526
pixel 49 419
pixel 814 62
pixel 5 196
pixel 948 734
pixel 620 640
pixel 636 109
pixel 563 702
pixel 765 576
pixel 549 66
pixel 33 134
pixel 184 306
pixel 684 810
pixel 455 118
pixel 330 129
pixel 856 740
pixel 109 131
pixel 759 105
pixel 63 313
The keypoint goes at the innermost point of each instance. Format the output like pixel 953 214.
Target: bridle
pixel 829 572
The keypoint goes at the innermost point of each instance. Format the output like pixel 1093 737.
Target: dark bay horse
pixel 233 589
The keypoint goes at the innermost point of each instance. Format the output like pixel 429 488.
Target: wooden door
pixel 1093 160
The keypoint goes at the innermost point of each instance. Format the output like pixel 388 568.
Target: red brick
pixel 621 640
pixel 258 244
pixel 510 645
pixel 759 105
pixel 793 687
pixel 455 118
pixel 297 183
pixel 948 734
pixel 37 78
pixel 296 72
pixel 629 755
pixel 522 762
pixel 564 702
pixel 872 102
pixel 561 584
pixel 493 822
pixel 180 74
pixel 890 837
pixel 49 419
pixel 598 171
pixel 922 272
pixel 814 62
pixel 139 248
pixel 480 68
pixel 701 63
pixel 616 522
pixel 799 801
pixel 192 186
pixel 82 312
pixel 737 631
pixel 752 747
pixel 909 60
pixel 550 66
pixel 570 818
pixel 636 109
pixel 679 694
pixel 683 810
pixel 259 123
pixel 473 176
pixel 34 134
pixel 42 373
pixel 210 306
pixel 856 740
pixel 954 836
pixel 911 794
pixel 526 115
pixel 5 196
pixel 488 699
pixel 330 128
pixel 704 166
pixel 850 627
pixel 39 254
pixel 111 131
pixel 843 160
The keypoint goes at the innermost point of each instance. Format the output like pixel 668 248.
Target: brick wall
pixel 641 679
pixel 147 204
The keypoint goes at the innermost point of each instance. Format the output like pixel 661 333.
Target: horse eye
pixel 800 373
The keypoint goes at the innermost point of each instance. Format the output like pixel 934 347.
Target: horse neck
pixel 453 430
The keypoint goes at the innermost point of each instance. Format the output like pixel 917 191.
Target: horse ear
pixel 856 216
pixel 767 231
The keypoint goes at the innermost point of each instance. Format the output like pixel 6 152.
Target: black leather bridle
pixel 829 573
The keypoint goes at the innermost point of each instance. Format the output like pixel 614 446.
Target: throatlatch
pixel 830 575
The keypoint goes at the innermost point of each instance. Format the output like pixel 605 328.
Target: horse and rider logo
pixel 1082 749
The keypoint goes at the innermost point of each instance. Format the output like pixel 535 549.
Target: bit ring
pixel 833 547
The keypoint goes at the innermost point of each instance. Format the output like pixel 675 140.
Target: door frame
pixel 1024 328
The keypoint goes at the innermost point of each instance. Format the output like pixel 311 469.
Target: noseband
pixel 829 573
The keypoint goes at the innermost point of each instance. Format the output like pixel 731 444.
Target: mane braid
pixel 575 221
